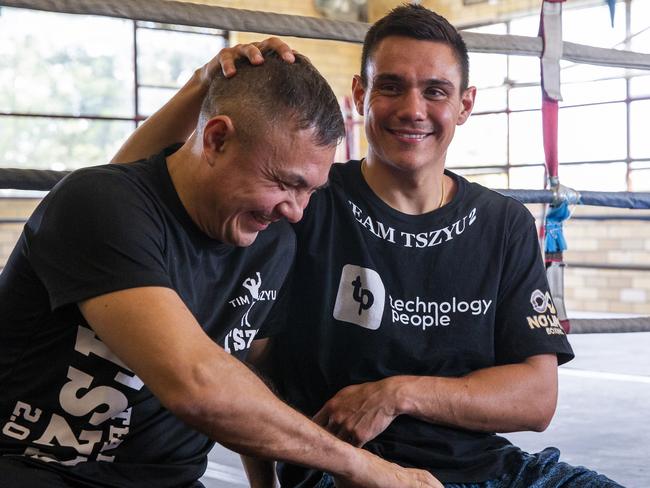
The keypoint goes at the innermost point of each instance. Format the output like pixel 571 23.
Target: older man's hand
pixel 380 473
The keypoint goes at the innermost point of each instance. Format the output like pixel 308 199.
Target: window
pixel 640 176
pixel 603 118
pixel 73 87
pixel 640 124
pixel 481 141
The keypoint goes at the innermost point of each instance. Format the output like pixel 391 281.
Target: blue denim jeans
pixel 541 470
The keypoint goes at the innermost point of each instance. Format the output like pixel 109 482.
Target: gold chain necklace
pixel 442 186
pixel 442 191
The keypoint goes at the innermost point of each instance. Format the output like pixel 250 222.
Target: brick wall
pixel 608 242
pixel 625 243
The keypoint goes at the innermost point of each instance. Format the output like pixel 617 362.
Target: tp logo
pixel 364 297
pixel 361 297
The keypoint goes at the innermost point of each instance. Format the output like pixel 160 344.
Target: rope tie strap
pixel 550 30
pixel 554 240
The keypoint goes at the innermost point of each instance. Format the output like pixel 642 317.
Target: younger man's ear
pixel 467 99
pixel 358 93
pixel 216 134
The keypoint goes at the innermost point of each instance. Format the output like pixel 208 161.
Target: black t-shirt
pixel 377 293
pixel 64 396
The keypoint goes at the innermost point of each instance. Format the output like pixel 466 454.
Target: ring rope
pixel 640 218
pixel 30 179
pixel 610 325
pixel 631 200
pixel 173 12
pixel 44 180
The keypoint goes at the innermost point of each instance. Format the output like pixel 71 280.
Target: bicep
pixel 544 370
pixel 544 392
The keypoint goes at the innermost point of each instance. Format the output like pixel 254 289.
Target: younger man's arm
pixel 177 119
pixel 260 472
pixel 508 398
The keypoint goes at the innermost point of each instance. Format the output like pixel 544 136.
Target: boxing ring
pixel 548 46
pixel 578 407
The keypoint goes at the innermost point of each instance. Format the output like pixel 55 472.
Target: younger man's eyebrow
pixel 383 77
pixel 440 82
pixel 388 77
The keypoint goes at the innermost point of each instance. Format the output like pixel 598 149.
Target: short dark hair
pixel 259 97
pixel 419 23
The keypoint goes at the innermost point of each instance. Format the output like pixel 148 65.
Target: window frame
pixel 509 84
pixel 135 117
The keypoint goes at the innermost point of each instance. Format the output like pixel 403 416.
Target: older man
pixel 126 280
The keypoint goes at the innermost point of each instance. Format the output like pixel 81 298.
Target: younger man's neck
pixel 411 192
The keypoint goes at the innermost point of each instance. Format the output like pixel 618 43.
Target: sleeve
pixel 526 319
pixel 96 233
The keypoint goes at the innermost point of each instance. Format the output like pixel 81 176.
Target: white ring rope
pixel 173 12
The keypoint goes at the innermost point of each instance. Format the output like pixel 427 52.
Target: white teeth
pixel 411 136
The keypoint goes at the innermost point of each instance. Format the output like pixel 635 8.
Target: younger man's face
pixel 412 102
